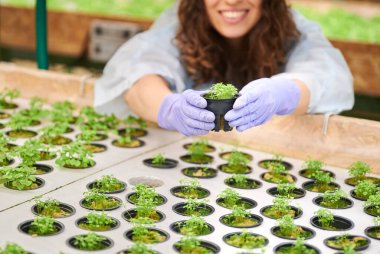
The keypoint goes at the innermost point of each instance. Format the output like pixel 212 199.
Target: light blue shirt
pixel 312 60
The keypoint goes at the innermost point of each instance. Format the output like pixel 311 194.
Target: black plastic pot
pixel 309 184
pixel 226 155
pixel 136 143
pixel 203 193
pixel 181 210
pixel 226 237
pixel 21 134
pixel 296 193
pixel 44 169
pixel 254 184
pixel 302 173
pixel 208 148
pixel 287 165
pixel 353 194
pixel 57 141
pixel 94 184
pixel 225 168
pixel 175 226
pixel 352 182
pixel 129 234
pixel 83 167
pixel 318 200
pixel 83 220
pixel 4 115
pixel 248 203
pixel 294 179
pixel 168 163
pixel 2 126
pixel 159 198
pixel 25 227
pixel 131 214
pixel 7 163
pixel 106 244
pixel 298 213
pixel 208 245
pixel 127 251
pixel 370 232
pixel 254 217
pixel 95 148
pixel 206 159
pixel 350 237
pixel 39 181
pixel 192 171
pixel 136 132
pixel 65 207
pixel 368 211
pixel 9 105
pixel 340 223
pixel 274 230
pixel 81 203
pixel 277 248
pixel 220 108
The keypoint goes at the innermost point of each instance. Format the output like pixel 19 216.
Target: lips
pixel 233 16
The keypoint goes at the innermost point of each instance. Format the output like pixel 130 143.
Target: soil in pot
pixel 235 169
pixel 181 227
pixel 134 132
pixel 274 213
pixel 315 186
pixel 278 178
pixel 353 181
pixel 197 248
pixel 227 155
pixel 295 193
pixel 189 192
pixel 198 210
pixel 41 226
pixel 308 173
pixel 157 200
pixel 338 224
pixel 7 162
pixel 150 236
pixel 8 105
pixel 373 232
pixel 4 115
pixel 242 182
pixel 299 231
pixel 206 148
pixel 42 169
pixel 200 172
pixel 166 164
pixel 267 164
pixel 203 159
pixel 245 240
pixel 109 203
pixel 245 203
pixel 293 248
pixel 95 148
pixel 38 183
pixel 338 242
pixel 83 223
pixel 57 140
pixel 155 216
pixel 108 185
pixel 342 203
pixel 45 156
pixel 58 210
pixel 247 221
pixel 372 210
pixel 21 134
pixel 90 242
pixel 2 126
pixel 134 143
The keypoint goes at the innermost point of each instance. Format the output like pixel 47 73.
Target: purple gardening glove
pixel 260 100
pixel 185 113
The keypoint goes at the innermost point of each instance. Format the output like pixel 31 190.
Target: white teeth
pixel 233 14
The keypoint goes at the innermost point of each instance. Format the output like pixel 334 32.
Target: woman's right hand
pixel 186 113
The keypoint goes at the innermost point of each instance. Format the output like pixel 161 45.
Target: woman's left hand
pixel 261 99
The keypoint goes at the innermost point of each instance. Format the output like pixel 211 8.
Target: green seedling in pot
pixel 196 225
pixel 196 207
pixel 373 204
pixel 158 159
pixel 7 96
pixel 220 91
pixel 29 152
pixel 108 183
pixel 75 155
pixel 13 248
pixel 286 189
pixel 325 218
pixel 20 178
pixel 365 188
pixel 52 134
pixel 62 111
pixel 50 208
pixel 98 200
pixel 334 199
pixel 140 248
pixel 90 241
pixel 190 245
pixel 42 225
pixel 96 221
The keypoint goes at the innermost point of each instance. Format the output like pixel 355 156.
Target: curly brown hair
pixel 203 49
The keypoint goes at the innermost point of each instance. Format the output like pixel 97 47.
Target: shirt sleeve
pixel 151 52
pixel 321 67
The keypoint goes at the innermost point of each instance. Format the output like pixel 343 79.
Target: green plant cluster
pixel 90 241
pixel 158 159
pixel 20 178
pixel 195 226
pixel 364 189
pixel 190 245
pixel 75 155
pixel 95 199
pixel 50 208
pixel 13 248
pixel 325 218
pixel 220 91
pixel 140 248
pixel 7 96
pixel 42 225
pixel 108 183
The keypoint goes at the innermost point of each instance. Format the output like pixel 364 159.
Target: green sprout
pixel 6 153
pixel 300 248
pixel 239 217
pixel 19 122
pixel 195 207
pixel 191 244
pixel 35 111
pixel 333 199
pixel 108 183
pixel 365 188
pixel 374 203
pixel 20 178
pixel 75 155
pixel 29 152
pixel 241 181
pixel 13 248
pixel 145 192
pixel 313 165
pixel 90 241
pixel 158 159
pixel 50 208
pixel 97 221
pixel 51 134
pixel 286 189
pixel 95 199
pixel 359 169
pixel 220 91
pixel 246 240
pixel 140 248
pixel 62 111
pixel 7 96
pixel 42 225
pixel 230 197
pixel 196 225
pixel 325 218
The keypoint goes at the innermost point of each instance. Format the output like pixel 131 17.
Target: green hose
pixel 41 35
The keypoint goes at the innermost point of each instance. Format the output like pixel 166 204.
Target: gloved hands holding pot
pixel 259 100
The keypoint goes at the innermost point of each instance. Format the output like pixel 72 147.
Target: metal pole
pixel 41 35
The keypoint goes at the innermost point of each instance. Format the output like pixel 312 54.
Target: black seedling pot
pixel 132 213
pixel 106 244
pixel 255 184
pixel 368 211
pixel 25 227
pixel 39 181
pixel 282 245
pixel 43 169
pixel 205 159
pixel 243 170
pixel 226 155
pixel 21 134
pixel 176 226
pixel 159 199
pixel 2 126
pixel 127 251
pixel 95 148
pixel 297 212
pixel 220 108
pixel 340 223
pixel 249 203
pixel 83 220
pixel 208 245
pixel 309 184
pixel 129 234
pixel 93 185
pixel 349 237
pixel 353 194
pixel 136 132
pixel 254 217
pixel 181 210
pixel 348 202
pixel 287 165
pixel 275 231
pixel 4 115
pixel 65 207
pixel 353 182
pixel 226 238
pixel 82 204
pixel 135 144
pixel 168 163
pixel 191 172
pixel 178 189
pixel 296 193
pixel 208 148
pixel 370 232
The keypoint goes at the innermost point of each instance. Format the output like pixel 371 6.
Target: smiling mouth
pixel 233 16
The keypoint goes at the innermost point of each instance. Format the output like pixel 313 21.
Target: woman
pixel 281 61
